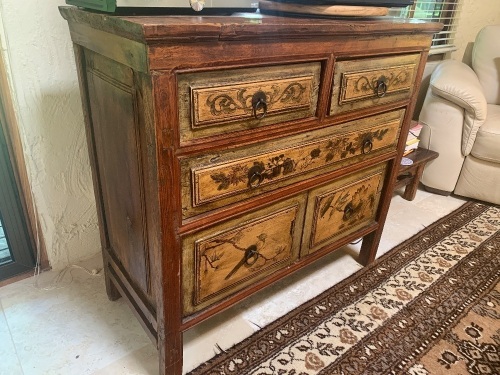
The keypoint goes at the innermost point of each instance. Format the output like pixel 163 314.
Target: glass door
pixel 5 255
pixel 16 250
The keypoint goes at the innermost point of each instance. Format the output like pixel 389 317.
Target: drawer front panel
pixel 212 103
pixel 274 168
pixel 240 252
pixel 366 83
pixel 341 208
pixel 213 106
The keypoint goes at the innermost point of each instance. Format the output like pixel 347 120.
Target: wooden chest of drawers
pixel 228 152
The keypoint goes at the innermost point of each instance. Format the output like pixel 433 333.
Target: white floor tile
pixel 71 330
pixel 9 362
pixel 143 361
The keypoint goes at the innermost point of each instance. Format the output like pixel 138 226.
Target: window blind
pixel 444 11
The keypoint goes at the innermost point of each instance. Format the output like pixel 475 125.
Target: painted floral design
pixel 322 153
pixel 224 104
pixel 213 257
pixel 276 166
pixel 360 202
pixel 369 85
pixel 237 175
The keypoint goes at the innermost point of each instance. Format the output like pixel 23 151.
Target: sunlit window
pixel 444 11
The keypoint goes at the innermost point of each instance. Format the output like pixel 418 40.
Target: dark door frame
pixel 22 195
pixel 13 221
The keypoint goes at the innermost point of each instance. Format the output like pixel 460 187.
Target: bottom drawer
pixel 341 208
pixel 228 257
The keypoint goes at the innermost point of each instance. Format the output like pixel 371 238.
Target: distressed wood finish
pixel 216 182
pixel 220 102
pixel 269 238
pixel 374 81
pixel 215 106
pixel 243 253
pixel 342 207
pixel 185 230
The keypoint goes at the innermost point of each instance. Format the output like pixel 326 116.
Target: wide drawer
pixel 228 257
pixel 222 101
pixel 343 207
pixel 213 180
pixel 369 82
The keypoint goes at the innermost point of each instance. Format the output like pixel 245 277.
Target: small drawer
pixel 240 252
pixel 222 101
pixel 341 208
pixel 370 82
pixel 213 180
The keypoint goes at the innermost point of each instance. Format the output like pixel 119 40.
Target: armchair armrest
pixel 456 82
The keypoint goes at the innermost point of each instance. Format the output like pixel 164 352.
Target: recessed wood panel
pixel 222 101
pixel 370 82
pixel 216 105
pixel 118 158
pixel 341 208
pixel 230 256
pixel 362 85
pixel 288 160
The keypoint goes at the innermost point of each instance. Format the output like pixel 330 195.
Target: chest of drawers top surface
pixel 175 28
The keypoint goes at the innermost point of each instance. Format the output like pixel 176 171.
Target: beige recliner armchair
pixel 461 118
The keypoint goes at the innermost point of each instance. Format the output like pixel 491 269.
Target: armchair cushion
pixel 486 62
pixel 466 92
pixel 487 144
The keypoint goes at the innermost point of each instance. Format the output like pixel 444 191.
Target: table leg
pixel 411 188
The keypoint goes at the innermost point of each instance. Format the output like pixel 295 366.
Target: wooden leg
pixel 371 241
pixel 111 290
pixel 369 248
pixel 170 352
pixel 411 188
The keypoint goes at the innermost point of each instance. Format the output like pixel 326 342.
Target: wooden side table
pixel 409 175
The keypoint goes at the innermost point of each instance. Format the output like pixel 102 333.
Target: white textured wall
pixel 475 15
pixel 46 95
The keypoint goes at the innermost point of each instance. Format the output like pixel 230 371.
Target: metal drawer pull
pixel 259 104
pixel 214 159
pixel 381 89
pixel 255 179
pixel 367 146
pixel 348 211
pixel 251 255
pixel 249 258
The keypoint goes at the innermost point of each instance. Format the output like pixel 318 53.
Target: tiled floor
pixel 74 329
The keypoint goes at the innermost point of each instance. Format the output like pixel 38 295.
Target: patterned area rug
pixel 429 306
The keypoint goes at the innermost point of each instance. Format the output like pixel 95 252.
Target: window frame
pixel 442 41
